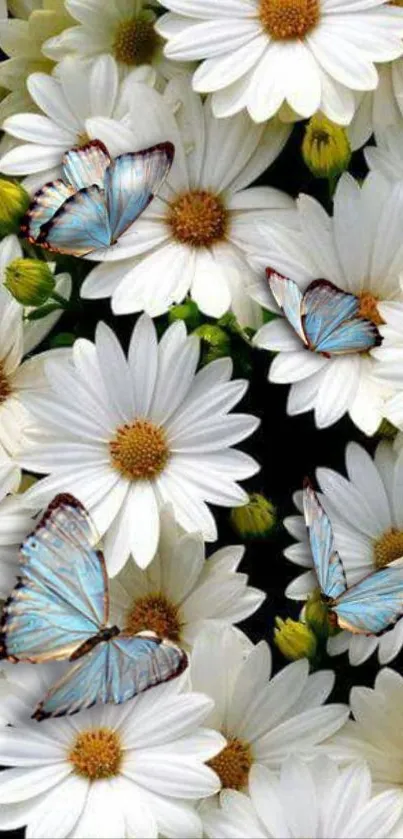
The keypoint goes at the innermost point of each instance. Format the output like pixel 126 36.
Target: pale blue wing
pixel 86 165
pixel 374 604
pixel 331 323
pixel 289 298
pixel 131 181
pixel 43 206
pixel 327 563
pixel 79 226
pixel 61 596
pixel 113 672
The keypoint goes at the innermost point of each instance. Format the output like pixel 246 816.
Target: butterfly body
pixel 371 606
pixel 59 610
pixel 99 199
pixel 326 319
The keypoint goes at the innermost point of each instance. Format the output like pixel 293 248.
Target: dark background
pixel 288 448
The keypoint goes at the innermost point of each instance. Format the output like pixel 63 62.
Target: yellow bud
pixel 27 481
pixel 254 520
pixel 325 148
pixel 14 202
pixel 217 343
pixel 316 615
pixel 295 639
pixel 30 281
pixel 188 312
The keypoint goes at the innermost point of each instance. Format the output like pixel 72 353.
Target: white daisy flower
pixel 387 156
pixel 366 510
pixel 181 591
pixel 68 103
pixel 375 733
pixel 260 53
pixel 263 719
pixel 128 435
pixel 308 799
pixel 381 109
pixel 34 331
pixel 194 237
pixel 359 250
pixel 15 523
pixel 123 29
pixel 113 771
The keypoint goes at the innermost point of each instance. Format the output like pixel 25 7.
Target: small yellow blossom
pixel 254 520
pixel 325 148
pixel 295 639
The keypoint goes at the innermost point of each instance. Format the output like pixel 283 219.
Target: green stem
pixel 63 303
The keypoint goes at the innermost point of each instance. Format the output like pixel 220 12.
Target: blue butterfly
pixel 371 606
pixel 59 610
pixel 326 319
pixel 100 199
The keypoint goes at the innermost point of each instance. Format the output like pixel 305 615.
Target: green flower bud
pixel 254 520
pixel 316 615
pixel 14 202
pixel 30 281
pixel 326 149
pixel 295 639
pixel 217 344
pixel 188 312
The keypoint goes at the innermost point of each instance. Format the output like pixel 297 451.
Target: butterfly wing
pixel 113 672
pixel 374 604
pixel 43 206
pixel 331 323
pixel 289 298
pixel 79 226
pixel 60 599
pixel 85 166
pixel 132 180
pixel 328 565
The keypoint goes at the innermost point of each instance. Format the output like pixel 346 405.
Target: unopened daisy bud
pixel 27 481
pixel 326 149
pixel 216 343
pixel 30 281
pixel 316 616
pixel 295 639
pixel 254 520
pixel 14 202
pixel 188 312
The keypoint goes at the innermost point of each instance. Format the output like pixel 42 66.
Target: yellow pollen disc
pixel 136 42
pixel 285 20
pixel 154 612
pixel 198 218
pixel 369 308
pixel 83 139
pixel 233 764
pixel 388 547
pixel 96 754
pixel 5 387
pixel 140 450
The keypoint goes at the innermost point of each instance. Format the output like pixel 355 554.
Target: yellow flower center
pixel 285 20
pixel 369 308
pixel 97 753
pixel 140 450
pixel 233 764
pixel 198 219
pixel 5 386
pixel 156 613
pixel 83 139
pixel 388 547
pixel 136 42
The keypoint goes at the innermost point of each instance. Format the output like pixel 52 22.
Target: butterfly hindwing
pixel 79 226
pixel 85 166
pixel 289 298
pixel 44 205
pixel 113 672
pixel 131 182
pixel 327 563
pixel 374 604
pixel 331 322
pixel 60 599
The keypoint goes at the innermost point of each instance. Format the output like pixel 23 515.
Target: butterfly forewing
pixel 327 563
pixel 374 604
pixel 131 182
pixel 60 599
pixel 80 225
pixel 113 672
pixel 331 323
pixel 86 165
pixel 43 207
pixel 289 298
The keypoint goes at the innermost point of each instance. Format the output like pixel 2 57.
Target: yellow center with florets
pixel 96 753
pixel 388 547
pixel 139 451
pixel 369 308
pixel 286 20
pixel 5 386
pixel 198 218
pixel 136 42
pixel 154 612
pixel 232 764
